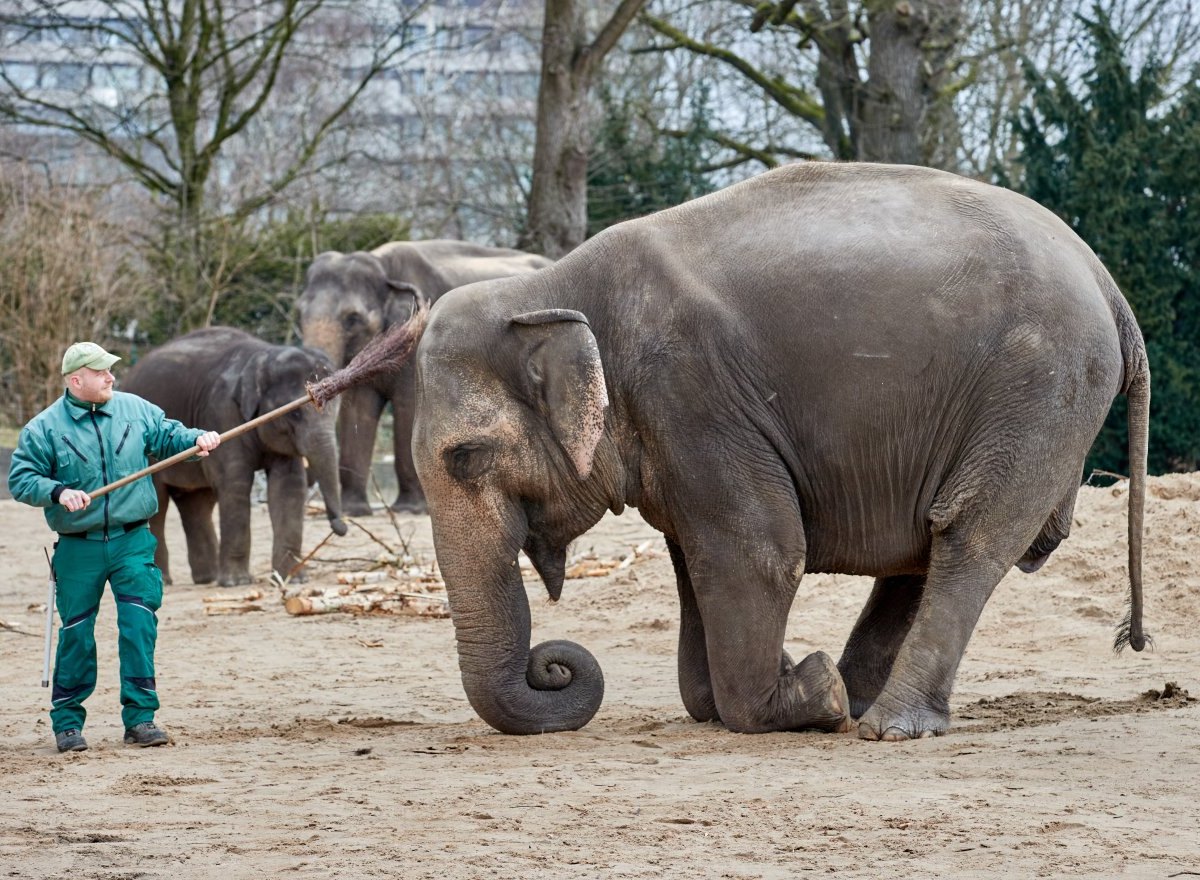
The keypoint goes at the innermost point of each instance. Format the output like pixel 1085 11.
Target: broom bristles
pixel 386 353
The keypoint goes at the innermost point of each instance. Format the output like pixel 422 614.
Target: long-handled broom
pixel 385 353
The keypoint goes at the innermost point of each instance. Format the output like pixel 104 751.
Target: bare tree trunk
pixel 910 43
pixel 558 195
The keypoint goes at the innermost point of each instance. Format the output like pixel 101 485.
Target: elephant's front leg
pixel 754 685
pixel 203 548
pixel 287 489
pixel 158 528
pixel 695 686
pixel 233 507
pixel 409 496
pixel 871 649
pixel 358 419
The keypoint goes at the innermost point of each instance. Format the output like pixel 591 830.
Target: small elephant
pixel 866 369
pixel 221 378
pixel 349 299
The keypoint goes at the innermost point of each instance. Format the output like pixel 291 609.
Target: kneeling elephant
pixel 866 369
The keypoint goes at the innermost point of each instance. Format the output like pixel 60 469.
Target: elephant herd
pixel 872 370
pixel 221 377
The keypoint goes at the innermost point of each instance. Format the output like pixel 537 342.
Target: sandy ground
pixel 343 746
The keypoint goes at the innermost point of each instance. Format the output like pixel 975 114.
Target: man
pixel 90 437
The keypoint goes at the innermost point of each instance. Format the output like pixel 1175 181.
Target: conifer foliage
pixel 1116 159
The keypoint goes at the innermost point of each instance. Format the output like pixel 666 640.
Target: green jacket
pixel 77 445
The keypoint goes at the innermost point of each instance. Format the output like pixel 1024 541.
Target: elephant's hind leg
pixel 871 649
pixel 915 701
pixel 969 555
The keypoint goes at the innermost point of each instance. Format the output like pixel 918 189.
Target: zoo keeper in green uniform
pixel 89 437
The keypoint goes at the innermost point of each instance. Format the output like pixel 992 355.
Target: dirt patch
pixel 343 746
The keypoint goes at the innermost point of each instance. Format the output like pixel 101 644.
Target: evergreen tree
pixel 636 170
pixel 1121 169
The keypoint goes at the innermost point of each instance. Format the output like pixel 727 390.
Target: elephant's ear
pixel 566 376
pixel 403 300
pixel 251 386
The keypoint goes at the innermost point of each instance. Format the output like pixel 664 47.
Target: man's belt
pixel 127 527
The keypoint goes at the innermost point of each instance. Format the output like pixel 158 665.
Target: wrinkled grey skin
pixel 866 369
pixel 222 378
pixel 349 299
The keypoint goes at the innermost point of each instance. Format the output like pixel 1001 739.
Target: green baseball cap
pixel 86 354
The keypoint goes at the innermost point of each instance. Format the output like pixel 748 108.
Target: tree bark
pixel 557 219
pixel 910 41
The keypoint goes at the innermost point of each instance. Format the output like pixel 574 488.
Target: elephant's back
pixel 877 323
pixel 827 266
pixel 180 374
pixel 437 266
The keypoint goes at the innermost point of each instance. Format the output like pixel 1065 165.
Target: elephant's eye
pixel 351 320
pixel 467 461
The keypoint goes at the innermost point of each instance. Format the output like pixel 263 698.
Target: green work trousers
pixel 82 566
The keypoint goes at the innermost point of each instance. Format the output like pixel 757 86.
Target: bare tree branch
pixel 795 100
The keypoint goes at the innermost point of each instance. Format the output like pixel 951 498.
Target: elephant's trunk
pixel 326 334
pixel 323 464
pixel 557 685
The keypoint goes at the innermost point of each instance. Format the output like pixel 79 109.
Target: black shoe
pixel 70 741
pixel 145 734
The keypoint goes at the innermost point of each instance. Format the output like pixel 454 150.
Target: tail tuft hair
pixel 1125 637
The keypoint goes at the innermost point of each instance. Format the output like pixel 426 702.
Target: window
pixel 122 77
pixel 22 76
pixel 66 77
pixel 519 85
pixel 475 35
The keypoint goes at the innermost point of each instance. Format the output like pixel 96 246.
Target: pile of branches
pixel 396 582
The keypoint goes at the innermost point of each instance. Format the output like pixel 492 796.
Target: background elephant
pixel 350 298
pixel 865 369
pixel 221 378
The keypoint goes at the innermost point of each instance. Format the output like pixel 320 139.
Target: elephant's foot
pixel 696 689
pixel 904 722
pixel 198 577
pixel 410 505
pixel 825 702
pixel 235 579
pixel 298 577
pixel 864 682
pixel 355 507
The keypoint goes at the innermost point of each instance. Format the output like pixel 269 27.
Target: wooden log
pixel 363 577
pixel 323 604
pixel 368 602
pixel 238 608
pixel 249 596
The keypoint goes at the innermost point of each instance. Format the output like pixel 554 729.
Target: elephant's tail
pixel 1137 392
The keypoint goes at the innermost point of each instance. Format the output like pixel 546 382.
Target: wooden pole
pixel 188 453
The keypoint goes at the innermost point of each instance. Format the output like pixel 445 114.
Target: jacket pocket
pixel 71 445
pixel 69 468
